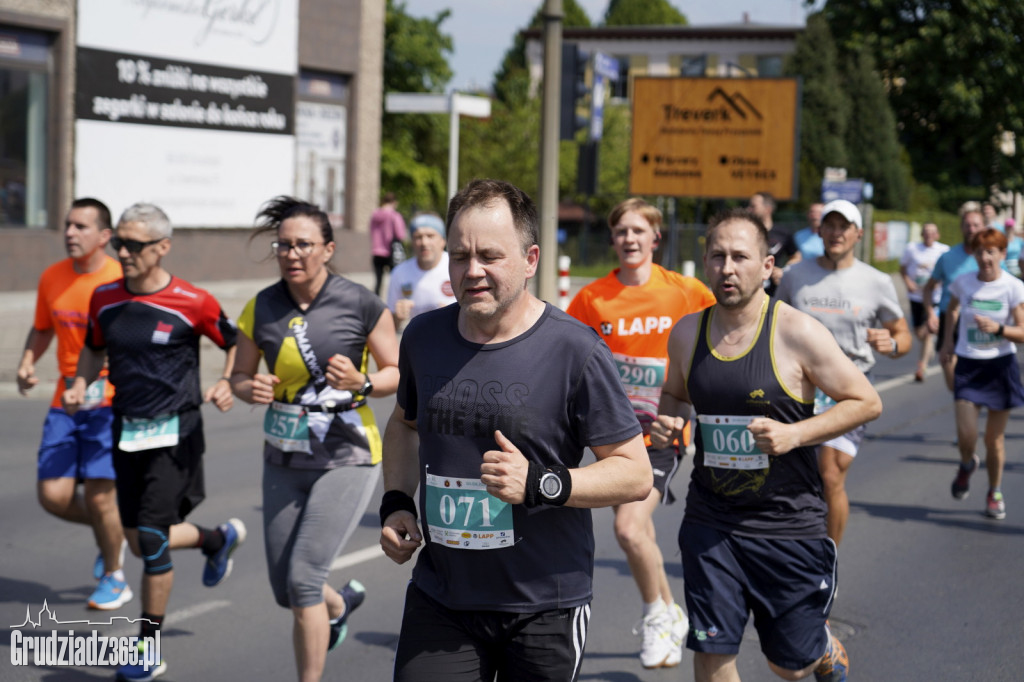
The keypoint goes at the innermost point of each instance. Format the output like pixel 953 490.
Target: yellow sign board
pixel 714 137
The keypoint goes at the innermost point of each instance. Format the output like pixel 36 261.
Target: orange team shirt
pixel 635 322
pixel 62 305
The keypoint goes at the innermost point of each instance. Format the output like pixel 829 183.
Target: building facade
pixel 206 109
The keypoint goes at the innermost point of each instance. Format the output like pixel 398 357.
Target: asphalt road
pixel 930 589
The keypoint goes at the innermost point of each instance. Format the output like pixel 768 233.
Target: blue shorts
pixel 993 383
pixel 77 446
pixel 788 585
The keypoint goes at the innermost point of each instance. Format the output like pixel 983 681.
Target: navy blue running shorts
pixel 438 644
pixel 994 383
pixel 788 585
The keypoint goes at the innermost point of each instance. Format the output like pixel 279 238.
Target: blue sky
pixel 483 29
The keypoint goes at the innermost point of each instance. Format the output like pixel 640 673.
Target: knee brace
pixel 156 549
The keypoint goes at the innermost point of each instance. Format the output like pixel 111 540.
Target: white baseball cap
pixel 845 209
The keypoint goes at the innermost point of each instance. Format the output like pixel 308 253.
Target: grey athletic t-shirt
pixel 847 301
pixel 552 391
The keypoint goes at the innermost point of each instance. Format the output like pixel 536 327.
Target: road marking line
pixel 177 616
pixel 907 379
pixel 357 557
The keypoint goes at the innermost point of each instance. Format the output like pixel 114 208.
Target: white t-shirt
pixel 428 289
pixel 919 261
pixel 995 300
pixel 847 301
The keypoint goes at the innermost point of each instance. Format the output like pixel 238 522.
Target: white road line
pixel 357 557
pixel 907 379
pixel 175 617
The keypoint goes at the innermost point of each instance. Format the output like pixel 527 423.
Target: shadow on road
pixel 940 517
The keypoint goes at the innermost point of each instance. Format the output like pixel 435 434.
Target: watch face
pixel 550 485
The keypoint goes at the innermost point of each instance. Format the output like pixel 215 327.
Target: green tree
pixel 643 13
pixel 955 82
pixel 824 109
pixel 414 147
pixel 871 136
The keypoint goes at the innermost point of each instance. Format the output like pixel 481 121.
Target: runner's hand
pixel 74 397
pixel 986 324
pixel 772 437
pixel 263 388
pixel 933 323
pixel 665 430
pixel 881 340
pixel 26 378
pixel 343 375
pixel 504 471
pixel 220 395
pixel 400 536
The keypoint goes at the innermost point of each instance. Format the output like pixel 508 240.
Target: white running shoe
pixel 658 647
pixel 680 626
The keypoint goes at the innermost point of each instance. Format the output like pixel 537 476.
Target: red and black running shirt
pixel 152 343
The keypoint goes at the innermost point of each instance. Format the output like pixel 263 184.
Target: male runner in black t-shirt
pixel 499 395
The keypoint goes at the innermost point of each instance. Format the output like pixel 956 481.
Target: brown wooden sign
pixel 715 137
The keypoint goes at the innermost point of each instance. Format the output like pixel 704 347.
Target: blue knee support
pixel 156 550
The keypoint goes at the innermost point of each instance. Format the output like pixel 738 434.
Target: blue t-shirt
pixel 1013 250
pixel 809 244
pixel 951 265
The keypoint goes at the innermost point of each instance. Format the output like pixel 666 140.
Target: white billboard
pixel 188 104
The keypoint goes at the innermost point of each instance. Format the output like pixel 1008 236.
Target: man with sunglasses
pixel 147 326
pixel 77 447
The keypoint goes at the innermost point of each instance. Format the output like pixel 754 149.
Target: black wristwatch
pixel 550 486
pixel 367 388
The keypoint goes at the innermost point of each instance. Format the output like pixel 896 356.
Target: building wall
pixel 336 36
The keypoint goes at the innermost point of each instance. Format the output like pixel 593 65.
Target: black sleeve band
pixel 532 497
pixel 395 500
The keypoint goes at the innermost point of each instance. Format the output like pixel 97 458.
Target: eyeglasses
pixel 133 245
pixel 302 248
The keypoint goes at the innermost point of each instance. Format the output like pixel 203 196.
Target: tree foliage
pixel 414 147
pixel 643 13
pixel 825 107
pixel 871 137
pixel 955 82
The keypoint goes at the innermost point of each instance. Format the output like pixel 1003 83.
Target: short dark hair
pixel 738 214
pixel 767 197
pixel 281 208
pixel 484 192
pixel 102 212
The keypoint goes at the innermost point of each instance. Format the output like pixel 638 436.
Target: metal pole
pixel 453 148
pixel 547 279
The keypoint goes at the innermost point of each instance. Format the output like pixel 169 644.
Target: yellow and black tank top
pixel 296 345
pixel 731 491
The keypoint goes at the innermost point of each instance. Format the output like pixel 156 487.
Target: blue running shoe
pixel 353 593
pixel 218 565
pixel 110 594
pixel 142 671
pixel 98 568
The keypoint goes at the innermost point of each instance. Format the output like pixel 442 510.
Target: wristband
pixel 895 348
pixel 532 492
pixel 551 486
pixel 227 379
pixel 395 500
pixel 999 332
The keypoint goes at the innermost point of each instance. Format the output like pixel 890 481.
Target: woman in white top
pixel 989 306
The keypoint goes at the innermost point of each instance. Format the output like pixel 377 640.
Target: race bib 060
pixel 728 444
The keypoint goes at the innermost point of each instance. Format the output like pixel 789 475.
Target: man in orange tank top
pixel 78 447
pixel 633 309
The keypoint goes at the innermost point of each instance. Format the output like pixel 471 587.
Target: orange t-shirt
pixel 635 322
pixel 62 304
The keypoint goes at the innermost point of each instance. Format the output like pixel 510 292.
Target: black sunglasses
pixel 133 245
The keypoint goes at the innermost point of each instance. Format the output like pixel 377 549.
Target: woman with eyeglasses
pixel 315 331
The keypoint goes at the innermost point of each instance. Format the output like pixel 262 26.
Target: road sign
pixel 715 137
pixel 850 190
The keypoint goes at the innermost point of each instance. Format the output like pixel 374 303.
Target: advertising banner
pixel 189 105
